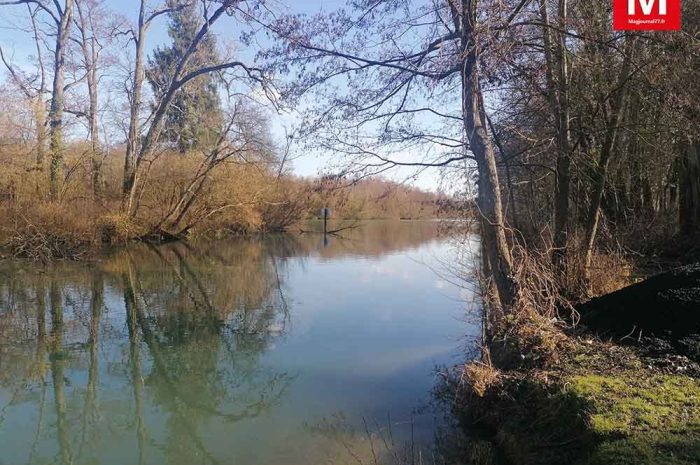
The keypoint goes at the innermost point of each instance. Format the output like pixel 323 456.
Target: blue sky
pixel 18 45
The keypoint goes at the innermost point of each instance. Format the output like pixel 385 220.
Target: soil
pixel 661 314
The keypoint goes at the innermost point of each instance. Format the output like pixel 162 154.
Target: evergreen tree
pixel 193 119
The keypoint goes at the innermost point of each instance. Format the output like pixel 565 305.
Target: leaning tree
pixel 398 83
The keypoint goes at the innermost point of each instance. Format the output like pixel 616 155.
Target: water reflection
pixel 209 352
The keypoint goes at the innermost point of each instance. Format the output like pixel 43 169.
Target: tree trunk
pixel 132 144
pixel 39 104
pixel 56 146
pixel 558 96
pixel 96 155
pixel 606 152
pixel 179 78
pixel 88 45
pixel 495 245
pixel 40 119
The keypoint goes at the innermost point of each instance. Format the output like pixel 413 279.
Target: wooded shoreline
pixel 52 245
pixel 573 143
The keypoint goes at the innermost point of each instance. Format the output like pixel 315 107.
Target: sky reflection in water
pixel 264 350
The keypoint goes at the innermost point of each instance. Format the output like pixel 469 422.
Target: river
pixel 278 349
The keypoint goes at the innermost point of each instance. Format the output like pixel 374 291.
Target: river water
pixel 280 349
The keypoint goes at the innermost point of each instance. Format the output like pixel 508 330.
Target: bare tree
pixel 606 152
pixel 140 151
pixel 62 17
pixel 87 24
pixel 240 141
pixel 557 77
pixel 33 90
pixel 132 143
pixel 391 83
pixel 489 199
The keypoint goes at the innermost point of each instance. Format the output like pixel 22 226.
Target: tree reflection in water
pixel 151 354
pixel 193 335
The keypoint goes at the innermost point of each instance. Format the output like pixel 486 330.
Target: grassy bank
pixel 599 403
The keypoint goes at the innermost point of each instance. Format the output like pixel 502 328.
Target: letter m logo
pixel 646 15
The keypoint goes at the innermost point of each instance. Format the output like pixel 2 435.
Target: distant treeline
pixel 246 195
pixel 375 198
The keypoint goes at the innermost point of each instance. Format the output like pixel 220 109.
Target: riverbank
pixel 603 404
pixel 82 231
pixel 553 393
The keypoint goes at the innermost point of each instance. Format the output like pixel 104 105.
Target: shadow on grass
pixel 627 418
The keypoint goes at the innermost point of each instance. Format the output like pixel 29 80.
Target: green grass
pixel 602 404
pixel 641 418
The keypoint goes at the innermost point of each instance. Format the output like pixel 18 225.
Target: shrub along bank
pixel 592 395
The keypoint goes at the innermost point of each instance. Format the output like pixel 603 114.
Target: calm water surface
pixel 270 350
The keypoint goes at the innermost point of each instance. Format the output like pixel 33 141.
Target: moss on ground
pixel 603 404
pixel 641 418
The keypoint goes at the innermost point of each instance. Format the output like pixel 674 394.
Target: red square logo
pixel 646 15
